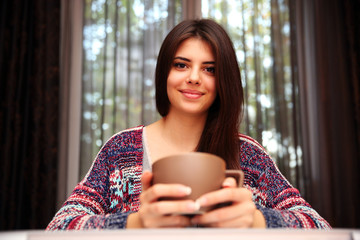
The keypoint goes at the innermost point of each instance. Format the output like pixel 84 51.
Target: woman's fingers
pixel 240 215
pixel 164 213
pixel 171 207
pixel 146 179
pixel 229 182
pixel 167 213
pixel 167 221
pixel 240 222
pixel 164 190
pixel 224 195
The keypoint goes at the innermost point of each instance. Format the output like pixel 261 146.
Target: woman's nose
pixel 194 77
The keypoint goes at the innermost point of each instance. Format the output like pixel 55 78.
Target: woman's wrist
pixel 259 220
pixel 133 221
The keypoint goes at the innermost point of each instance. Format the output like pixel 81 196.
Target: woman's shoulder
pixel 131 137
pixel 249 142
pixel 253 155
pixel 132 130
pixel 129 132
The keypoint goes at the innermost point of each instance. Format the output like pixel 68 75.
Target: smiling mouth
pixel 192 94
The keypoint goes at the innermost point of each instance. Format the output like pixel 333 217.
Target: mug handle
pixel 237 174
pixel 239 177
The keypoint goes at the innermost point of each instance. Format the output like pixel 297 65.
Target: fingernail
pixel 226 184
pixel 197 206
pixel 193 206
pixel 186 190
pixel 201 201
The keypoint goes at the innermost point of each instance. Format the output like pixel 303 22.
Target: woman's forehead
pixel 195 48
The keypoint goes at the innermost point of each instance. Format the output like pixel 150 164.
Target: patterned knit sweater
pixel 110 190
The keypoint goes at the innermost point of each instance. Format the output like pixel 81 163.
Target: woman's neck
pixel 183 129
pixel 175 133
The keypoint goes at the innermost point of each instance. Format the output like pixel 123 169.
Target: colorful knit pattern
pixel 110 190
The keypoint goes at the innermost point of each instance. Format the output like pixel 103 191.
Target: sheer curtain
pixel 262 34
pixel 121 42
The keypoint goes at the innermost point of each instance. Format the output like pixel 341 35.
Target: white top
pixel 146 156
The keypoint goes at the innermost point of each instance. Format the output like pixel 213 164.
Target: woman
pixel 200 98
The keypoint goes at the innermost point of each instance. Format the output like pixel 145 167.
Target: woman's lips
pixel 192 94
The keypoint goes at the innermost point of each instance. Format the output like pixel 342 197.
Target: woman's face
pixel 191 81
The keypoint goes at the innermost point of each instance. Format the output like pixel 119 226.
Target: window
pixel 260 30
pixel 121 40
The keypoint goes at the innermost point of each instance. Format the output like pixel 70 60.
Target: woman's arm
pixel 110 191
pixel 267 199
pixel 288 209
pixel 280 203
pixel 85 209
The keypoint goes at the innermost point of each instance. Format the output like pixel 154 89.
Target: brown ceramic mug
pixel 203 172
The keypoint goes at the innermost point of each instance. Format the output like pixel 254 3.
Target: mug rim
pixel 176 156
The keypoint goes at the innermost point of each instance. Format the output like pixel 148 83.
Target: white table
pixel 186 234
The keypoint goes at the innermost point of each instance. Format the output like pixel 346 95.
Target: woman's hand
pixel 155 214
pixel 242 213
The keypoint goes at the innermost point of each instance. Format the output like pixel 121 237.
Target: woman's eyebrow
pixel 182 58
pixel 188 60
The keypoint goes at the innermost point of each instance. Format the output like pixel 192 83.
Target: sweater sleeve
pixel 83 210
pixel 280 203
pixel 110 190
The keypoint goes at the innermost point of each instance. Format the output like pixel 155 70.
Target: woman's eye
pixel 179 65
pixel 210 70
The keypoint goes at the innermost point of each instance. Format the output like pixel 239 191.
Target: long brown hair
pixel 220 134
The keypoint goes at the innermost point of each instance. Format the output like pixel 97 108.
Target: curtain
pixel 29 85
pixel 121 42
pixel 329 57
pixel 262 33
